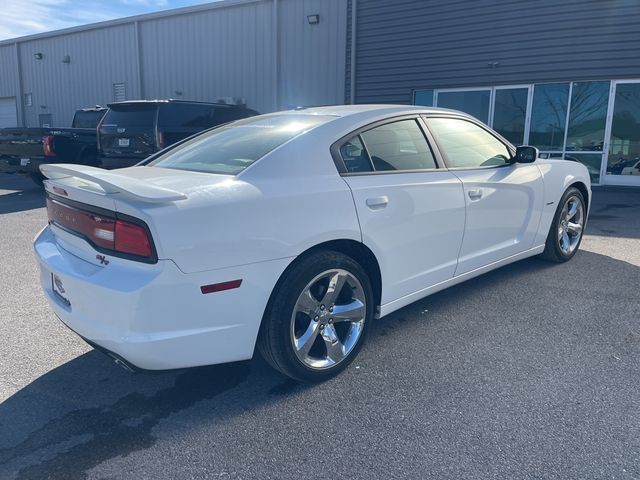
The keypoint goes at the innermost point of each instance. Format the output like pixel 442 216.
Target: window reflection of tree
pixel 624 148
pixel 552 121
pixel 588 116
pixel 513 113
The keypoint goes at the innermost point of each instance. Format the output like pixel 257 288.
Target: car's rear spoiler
pixel 112 183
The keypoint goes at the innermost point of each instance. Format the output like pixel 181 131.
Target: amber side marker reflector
pixel 219 287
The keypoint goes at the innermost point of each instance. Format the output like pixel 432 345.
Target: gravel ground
pixel 530 371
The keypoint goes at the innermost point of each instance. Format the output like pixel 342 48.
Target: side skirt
pixel 394 305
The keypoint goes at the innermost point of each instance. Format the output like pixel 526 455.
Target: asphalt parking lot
pixel 531 371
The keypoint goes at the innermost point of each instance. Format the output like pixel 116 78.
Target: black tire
pixel 553 251
pixel 37 178
pixel 275 340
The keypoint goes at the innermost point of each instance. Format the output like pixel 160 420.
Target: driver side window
pixel 466 145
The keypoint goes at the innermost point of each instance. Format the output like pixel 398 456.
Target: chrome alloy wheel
pixel 328 319
pixel 571 224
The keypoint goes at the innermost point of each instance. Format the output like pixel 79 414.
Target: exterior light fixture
pixel 38 56
pixel 66 59
pixel 313 19
pixel 493 64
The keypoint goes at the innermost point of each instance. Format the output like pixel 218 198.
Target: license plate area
pixel 59 290
pixel 123 142
pixel 24 162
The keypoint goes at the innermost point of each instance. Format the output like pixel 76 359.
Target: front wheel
pixel 317 318
pixel 567 227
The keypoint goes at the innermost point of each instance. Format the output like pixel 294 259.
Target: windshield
pixel 233 147
pixel 141 116
pixel 87 119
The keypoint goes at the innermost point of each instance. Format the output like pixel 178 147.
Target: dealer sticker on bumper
pixel 58 289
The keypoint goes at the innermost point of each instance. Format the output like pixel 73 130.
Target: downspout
pixel 136 27
pixel 20 99
pixel 352 87
pixel 276 54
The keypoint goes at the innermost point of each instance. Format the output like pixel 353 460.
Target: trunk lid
pixel 135 194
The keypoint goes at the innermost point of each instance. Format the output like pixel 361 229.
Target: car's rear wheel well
pixel 583 190
pixel 356 250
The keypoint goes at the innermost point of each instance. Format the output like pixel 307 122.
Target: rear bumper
pixel 154 316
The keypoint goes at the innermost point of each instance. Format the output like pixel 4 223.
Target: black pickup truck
pixel 23 150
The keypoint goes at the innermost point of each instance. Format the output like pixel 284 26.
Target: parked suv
pixel 131 131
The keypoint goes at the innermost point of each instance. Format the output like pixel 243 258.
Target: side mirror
pixel 526 154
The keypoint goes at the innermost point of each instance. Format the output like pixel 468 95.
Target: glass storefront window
pixel 423 97
pixel 556 155
pixel 588 116
pixel 624 145
pixel 473 102
pixel 510 113
pixel 549 116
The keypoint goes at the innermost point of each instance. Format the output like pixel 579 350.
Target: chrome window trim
pixel 334 149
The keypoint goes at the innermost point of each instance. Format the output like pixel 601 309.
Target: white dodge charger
pixel 292 231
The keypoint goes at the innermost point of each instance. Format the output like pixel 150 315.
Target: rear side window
pixel 186 115
pixel 466 145
pixel 355 157
pixel 398 146
pixel 232 148
pixel 197 116
pixel 136 115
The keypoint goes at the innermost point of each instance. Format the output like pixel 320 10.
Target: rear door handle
pixel 475 194
pixel 375 203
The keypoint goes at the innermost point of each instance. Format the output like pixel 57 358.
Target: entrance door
pixel 623 154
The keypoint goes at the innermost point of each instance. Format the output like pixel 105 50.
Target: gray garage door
pixel 8 113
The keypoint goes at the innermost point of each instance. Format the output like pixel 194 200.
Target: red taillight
pixel 105 232
pixel 132 239
pixel 161 140
pixel 47 146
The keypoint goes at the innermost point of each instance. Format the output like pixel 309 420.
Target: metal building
pixel 271 53
pixel 563 76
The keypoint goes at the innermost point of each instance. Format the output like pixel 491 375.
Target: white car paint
pixel 423 228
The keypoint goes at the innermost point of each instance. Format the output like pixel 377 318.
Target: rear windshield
pixel 233 147
pixel 88 119
pixel 195 115
pixel 137 115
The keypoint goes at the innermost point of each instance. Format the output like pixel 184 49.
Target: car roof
pixel 171 100
pixel 374 109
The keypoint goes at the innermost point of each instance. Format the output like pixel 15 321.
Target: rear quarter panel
pixel 271 212
pixel 558 176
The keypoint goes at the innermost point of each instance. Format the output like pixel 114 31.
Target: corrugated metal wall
pixel 8 74
pixel 311 57
pixel 224 49
pixel 205 55
pixel 97 59
pixel 9 81
pixel 408 44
